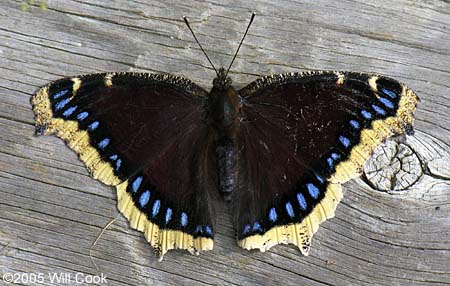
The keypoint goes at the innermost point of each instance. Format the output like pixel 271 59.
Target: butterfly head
pixel 222 81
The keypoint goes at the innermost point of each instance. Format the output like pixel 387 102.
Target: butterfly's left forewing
pixel 146 135
pixel 302 136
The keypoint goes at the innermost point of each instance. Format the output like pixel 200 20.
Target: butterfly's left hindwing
pixel 302 136
pixel 146 135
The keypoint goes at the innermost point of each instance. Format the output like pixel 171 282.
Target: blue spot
pixel 155 208
pixel 319 178
pixel 246 229
pixel 272 215
pixel 69 111
pixel 60 93
pixel 257 227
pixel 118 163
pixel 93 125
pixel 102 144
pixel 82 115
pixel 113 157
pixel 289 209
pixel 388 92
pixel 301 201
pixel 61 104
pixel 313 190
pixel 184 219
pixel 354 123
pixel 366 114
pixel 199 229
pixel 344 140
pixel 386 102
pixel 335 156
pixel 330 163
pixel 208 230
pixel 145 197
pixel 136 184
pixel 378 109
pixel 168 215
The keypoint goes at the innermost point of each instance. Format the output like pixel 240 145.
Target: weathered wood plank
pixel 51 211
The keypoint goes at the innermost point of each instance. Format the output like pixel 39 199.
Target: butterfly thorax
pixel 224 103
pixel 224 109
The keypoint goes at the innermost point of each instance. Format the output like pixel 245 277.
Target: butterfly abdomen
pixel 227 167
pixel 224 111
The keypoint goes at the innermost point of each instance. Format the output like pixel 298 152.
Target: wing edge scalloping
pixel 300 234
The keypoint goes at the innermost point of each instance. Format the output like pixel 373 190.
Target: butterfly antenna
pixel 240 44
pixel 190 29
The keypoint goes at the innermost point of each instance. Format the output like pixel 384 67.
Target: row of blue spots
pixel 354 124
pixel 168 215
pixel 69 111
pixel 136 184
pixel 113 157
pixel 144 198
pixel 155 208
pixel 378 109
pixel 82 115
pixel 199 229
pixel 273 215
pixel 386 102
pixel 102 144
pixel 301 201
pixel 184 219
pixel 313 190
pixel 366 114
pixel 345 141
pixel 290 209
pixel 60 93
pixel 93 125
pixel 388 92
pixel 61 104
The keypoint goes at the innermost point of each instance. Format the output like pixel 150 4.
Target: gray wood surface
pixel 51 211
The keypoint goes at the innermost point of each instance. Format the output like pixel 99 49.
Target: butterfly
pixel 277 150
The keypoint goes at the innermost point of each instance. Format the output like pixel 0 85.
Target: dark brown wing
pixel 301 137
pixel 146 135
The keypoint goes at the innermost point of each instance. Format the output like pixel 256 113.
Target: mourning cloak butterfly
pixel 278 149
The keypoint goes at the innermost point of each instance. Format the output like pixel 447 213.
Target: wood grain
pixel 51 211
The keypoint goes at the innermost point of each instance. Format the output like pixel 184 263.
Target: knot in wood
pixel 392 167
